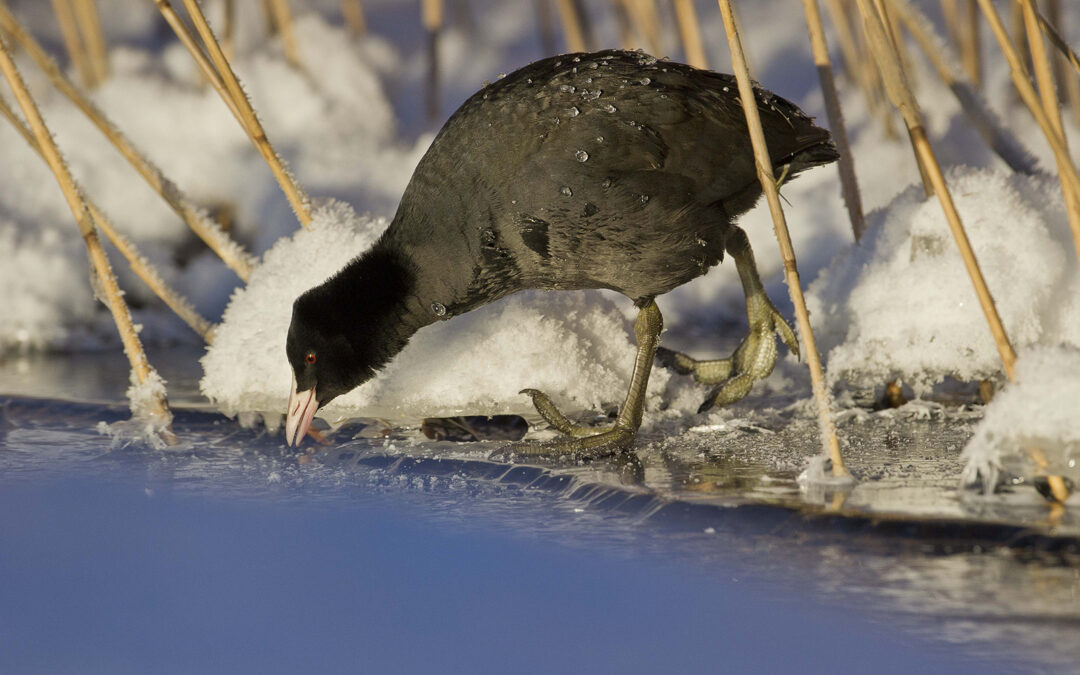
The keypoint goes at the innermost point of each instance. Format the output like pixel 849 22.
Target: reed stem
pixel 240 105
pixel 690 31
pixel 849 183
pixel 353 13
pixel 768 183
pixel 1067 173
pixel 1003 142
pixel 229 251
pixel 572 28
pixel 284 20
pixel 144 372
pixel 93 37
pixel 69 30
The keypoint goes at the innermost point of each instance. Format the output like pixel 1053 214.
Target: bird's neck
pixel 383 302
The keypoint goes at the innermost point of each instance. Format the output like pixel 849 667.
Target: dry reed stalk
pixel 622 20
pixel 240 105
pixel 140 265
pixel 643 15
pixel 1059 43
pixel 950 11
pixel 894 41
pixel 896 37
pixel 144 372
pixel 690 32
pixel 284 20
pixel 547 26
pixel 1065 79
pixel 971 49
pixel 904 100
pixel 849 184
pixel 353 13
pixel 996 135
pixel 1072 85
pixel 432 17
pixel 69 29
pixel 93 37
pixel 1048 91
pixel 229 251
pixel 768 183
pixel 572 28
pixel 853 64
pixel 1067 173
pixel 879 106
pixel 228 29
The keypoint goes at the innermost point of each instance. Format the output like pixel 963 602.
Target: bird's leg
pixel 756 355
pixel 600 441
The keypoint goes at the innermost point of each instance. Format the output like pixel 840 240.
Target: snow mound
pixel 575 346
pixel 1037 412
pixel 45 297
pixel 900 303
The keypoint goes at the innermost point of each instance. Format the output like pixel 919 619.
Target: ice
pixel 1038 412
pixel 900 303
pixel 147 425
pixel 575 346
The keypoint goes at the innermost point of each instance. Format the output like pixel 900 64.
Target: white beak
pixel 302 406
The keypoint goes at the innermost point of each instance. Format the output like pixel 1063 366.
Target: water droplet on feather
pixel 581 155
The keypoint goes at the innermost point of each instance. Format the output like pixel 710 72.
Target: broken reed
pixel 768 183
pixel 139 264
pixel 144 372
pixel 229 251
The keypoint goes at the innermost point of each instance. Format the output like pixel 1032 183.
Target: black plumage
pixel 605 170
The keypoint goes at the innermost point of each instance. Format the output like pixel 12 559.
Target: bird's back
pixel 612 169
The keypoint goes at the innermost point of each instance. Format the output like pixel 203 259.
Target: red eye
pixel 310 358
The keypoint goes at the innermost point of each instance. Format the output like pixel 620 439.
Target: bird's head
pixel 342 332
pixel 324 366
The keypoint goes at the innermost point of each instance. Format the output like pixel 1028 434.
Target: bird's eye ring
pixel 310 358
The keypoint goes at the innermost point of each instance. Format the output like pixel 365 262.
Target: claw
pixel 677 361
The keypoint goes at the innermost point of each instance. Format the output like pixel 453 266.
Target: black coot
pixel 605 170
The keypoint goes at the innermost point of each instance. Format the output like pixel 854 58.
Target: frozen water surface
pixel 230 550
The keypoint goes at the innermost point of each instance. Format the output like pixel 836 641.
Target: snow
pixel 900 304
pixel 1038 412
pixel 147 425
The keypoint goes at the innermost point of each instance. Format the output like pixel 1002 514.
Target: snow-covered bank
pixel 900 304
